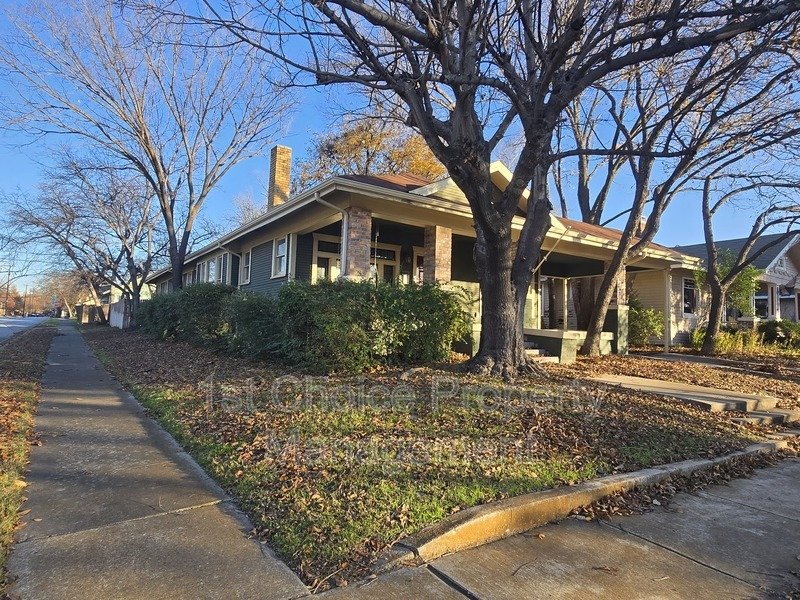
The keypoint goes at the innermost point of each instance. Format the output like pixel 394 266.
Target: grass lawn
pixel 22 360
pixel 333 471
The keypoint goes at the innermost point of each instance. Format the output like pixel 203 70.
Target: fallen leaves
pixel 22 360
pixel 330 484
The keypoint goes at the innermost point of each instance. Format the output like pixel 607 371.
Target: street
pixel 11 325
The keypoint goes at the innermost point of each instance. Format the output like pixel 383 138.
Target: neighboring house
pixel 401 228
pixel 778 293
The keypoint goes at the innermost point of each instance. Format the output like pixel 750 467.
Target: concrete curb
pixel 487 523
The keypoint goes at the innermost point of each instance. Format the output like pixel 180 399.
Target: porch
pixel 365 244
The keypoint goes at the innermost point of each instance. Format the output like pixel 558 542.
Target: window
pixel 246 256
pixel 279 256
pixel 211 271
pixel 201 272
pixel 689 296
pixel 326 258
pixel 222 269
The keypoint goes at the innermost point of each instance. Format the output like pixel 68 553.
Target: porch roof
pixel 442 196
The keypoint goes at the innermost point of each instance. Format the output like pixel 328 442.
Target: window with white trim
pixel 211 269
pixel 280 256
pixel 689 296
pixel 245 271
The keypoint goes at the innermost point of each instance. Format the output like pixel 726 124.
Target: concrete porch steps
pixel 758 409
pixel 775 416
pixel 538 355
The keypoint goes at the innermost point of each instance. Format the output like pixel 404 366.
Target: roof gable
pixel 763 262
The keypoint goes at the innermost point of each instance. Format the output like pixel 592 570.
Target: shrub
pixel 729 339
pixel 201 313
pixel 340 326
pixel 328 326
pixel 252 324
pixel 644 323
pixel 785 333
pixel 348 326
pixel 160 316
pixel 697 337
pixel 193 313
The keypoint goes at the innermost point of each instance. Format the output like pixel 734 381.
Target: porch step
pixel 543 359
pixel 776 416
pixel 711 399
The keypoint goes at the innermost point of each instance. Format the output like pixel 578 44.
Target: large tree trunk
pixel 505 272
pixel 502 349
pixel 177 270
pixel 591 346
pixel 715 311
pixel 584 291
pixel 136 300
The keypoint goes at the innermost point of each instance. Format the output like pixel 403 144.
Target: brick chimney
pixel 280 172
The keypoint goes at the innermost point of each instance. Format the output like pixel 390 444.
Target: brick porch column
pixel 359 241
pixel 438 253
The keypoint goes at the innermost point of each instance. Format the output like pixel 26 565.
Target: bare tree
pixel 780 212
pixel 246 209
pixel 64 288
pixel 100 222
pixel 179 114
pixel 686 116
pixel 466 72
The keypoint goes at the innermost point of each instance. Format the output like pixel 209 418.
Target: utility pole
pixel 25 302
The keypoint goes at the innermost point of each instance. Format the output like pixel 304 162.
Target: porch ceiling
pixel 565 265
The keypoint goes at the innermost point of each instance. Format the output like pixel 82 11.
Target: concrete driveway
pixel 11 325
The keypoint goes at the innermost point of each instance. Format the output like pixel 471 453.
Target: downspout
pixel 318 198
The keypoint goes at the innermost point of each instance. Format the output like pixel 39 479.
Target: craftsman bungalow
pixel 401 228
pixel 778 293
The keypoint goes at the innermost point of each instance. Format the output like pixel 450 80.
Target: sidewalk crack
pixel 756 508
pixel 123 521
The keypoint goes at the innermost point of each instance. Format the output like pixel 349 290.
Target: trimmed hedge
pixel 331 326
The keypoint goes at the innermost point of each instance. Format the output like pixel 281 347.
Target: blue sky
pixel 21 165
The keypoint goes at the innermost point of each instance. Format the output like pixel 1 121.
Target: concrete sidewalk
pixel 117 510
pixel 731 541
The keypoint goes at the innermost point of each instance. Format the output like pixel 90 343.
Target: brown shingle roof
pixel 404 182
pixel 609 234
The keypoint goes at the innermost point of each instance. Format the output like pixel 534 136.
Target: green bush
pixel 644 323
pixel 201 312
pixel 348 326
pixel 729 340
pixel 252 324
pixel 697 337
pixel 784 333
pixel 193 313
pixel 160 316
pixel 330 326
